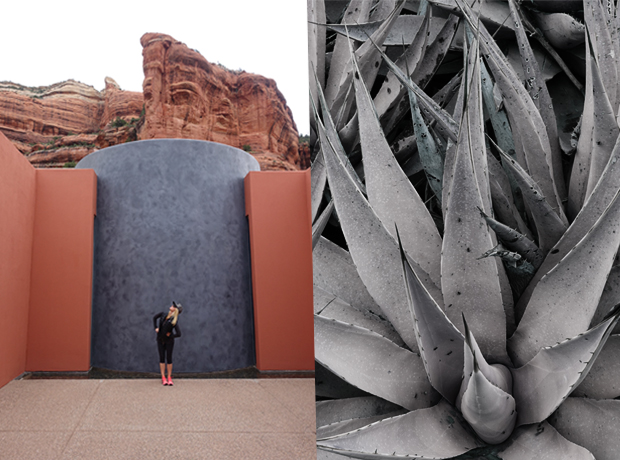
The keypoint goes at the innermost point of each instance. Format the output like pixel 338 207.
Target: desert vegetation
pixel 466 225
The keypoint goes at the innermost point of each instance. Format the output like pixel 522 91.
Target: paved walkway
pixel 140 419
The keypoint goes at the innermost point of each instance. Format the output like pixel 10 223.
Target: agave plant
pixel 466 227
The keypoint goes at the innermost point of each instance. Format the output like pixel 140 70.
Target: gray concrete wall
pixel 171 225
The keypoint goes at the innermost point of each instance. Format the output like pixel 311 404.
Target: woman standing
pixel 167 330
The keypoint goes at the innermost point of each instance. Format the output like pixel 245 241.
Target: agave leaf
pixel 515 241
pixel 439 341
pixel 562 30
pixel 368 67
pixel 438 432
pixel 548 224
pixel 603 380
pixel 571 290
pixel 581 166
pixel 473 359
pixel 610 296
pixel 329 385
pixel 318 178
pixel 327 132
pixel 433 56
pixel 335 272
pixel 469 285
pixel 524 117
pixel 447 126
pixel 605 130
pixel 430 156
pixel 345 426
pixel 372 363
pixel 330 306
pixel 374 251
pixel 316 49
pixel 319 225
pixel 543 383
pixel 328 412
pixel 504 202
pixel 391 90
pixel 568 106
pixel 603 48
pixel 489 410
pixel 540 96
pixel 403 31
pixel 591 424
pixel 602 195
pixel 357 11
pixel 544 442
pixel 390 193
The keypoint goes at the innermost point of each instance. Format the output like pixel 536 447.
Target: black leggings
pixel 165 350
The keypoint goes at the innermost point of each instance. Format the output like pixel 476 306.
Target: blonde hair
pixel 175 316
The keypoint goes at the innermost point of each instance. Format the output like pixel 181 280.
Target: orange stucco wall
pixel 62 264
pixel 17 200
pixel 46 257
pixel 278 209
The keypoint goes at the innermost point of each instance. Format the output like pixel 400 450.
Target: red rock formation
pixel 59 123
pixel 184 97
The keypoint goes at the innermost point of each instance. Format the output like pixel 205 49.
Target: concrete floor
pixel 90 419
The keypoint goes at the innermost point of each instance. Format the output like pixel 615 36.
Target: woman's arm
pixel 155 318
pixel 177 331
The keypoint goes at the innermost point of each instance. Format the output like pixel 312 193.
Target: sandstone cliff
pixel 184 96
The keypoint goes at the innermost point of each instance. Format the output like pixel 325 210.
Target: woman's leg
pixel 169 348
pixel 162 365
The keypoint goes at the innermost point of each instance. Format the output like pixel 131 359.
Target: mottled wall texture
pixel 171 225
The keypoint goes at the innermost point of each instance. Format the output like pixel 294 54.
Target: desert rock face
pixel 184 96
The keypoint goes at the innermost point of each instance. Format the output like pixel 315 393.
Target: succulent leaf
pixel 549 225
pixel 330 306
pixel 335 272
pixel 571 290
pixel 321 222
pixel 489 410
pixel 524 117
pixel 469 285
pixel 374 251
pixel 332 411
pixel 439 341
pixel 345 426
pixel 373 363
pixel 545 382
pixel 318 179
pixel 605 131
pixel 390 193
pixel 544 442
pixel 590 423
pixel 438 432
pixel 603 380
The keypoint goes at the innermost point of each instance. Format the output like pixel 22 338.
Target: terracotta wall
pixel 46 248
pixel 62 264
pixel 17 200
pixel 278 209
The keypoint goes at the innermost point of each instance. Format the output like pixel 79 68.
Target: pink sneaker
pixel 170 381
pixel 164 381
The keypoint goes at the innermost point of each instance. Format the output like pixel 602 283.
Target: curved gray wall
pixel 171 225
